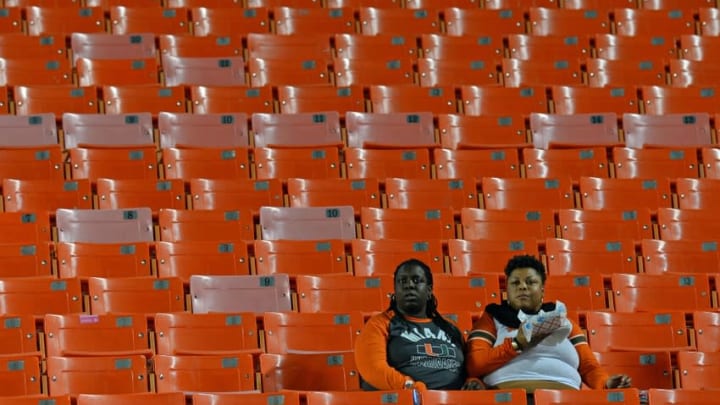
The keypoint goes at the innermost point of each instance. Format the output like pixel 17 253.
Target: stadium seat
pixel 629 396
pixel 129 193
pixel 211 21
pixel 107 129
pixel 158 20
pixel 203 71
pixel 117 72
pixel 301 21
pixel 647 369
pixel 308 99
pixel 63 20
pixel 711 160
pixel 557 130
pixel 46 195
pixel 667 130
pixel 661 100
pixel 519 73
pixel 296 257
pixel 511 193
pixel 138 295
pixel 294 332
pixel 233 194
pixel 245 398
pixel 297 71
pixel 546 21
pixel 211 46
pixel 87 259
pixel 12 20
pixel 210 373
pixel 709 21
pixel 97 375
pixel 55 99
pixel 149 398
pixel 554 47
pixel 40 162
pixel 653 22
pixel 679 256
pixel 615 331
pixel 25 227
pixel 103 45
pixel 366 72
pixel 512 396
pixel 624 73
pixel 676 162
pixel 84 225
pixel 687 224
pixel 81 335
pixel 38 399
pixel 308 372
pixel 451 72
pixel 707 329
pixel 213 130
pixel 35 71
pixel 328 192
pixel 431 193
pixel 363 163
pixel 386 46
pixel 407 224
pixel 459 131
pixel 486 256
pixel 184 333
pixel 228 100
pixel 680 396
pixel 400 397
pixel 610 224
pixel 375 257
pixel 390 129
pixel 579 292
pixel 143 99
pixel 661 292
pixel 20 377
pixel 470 293
pixel 585 100
pixel 411 99
pixel 19 336
pixel 483 22
pixel 503 101
pixel 206 163
pixel 315 129
pixel 333 293
pixel 497 224
pixel 693 193
pixel 246 293
pixel 624 194
pixel 503 162
pixel 307 223
pixel 636 48
pixel 299 162
pixel 566 163
pixel 412 22
pixel 205 225
pixel 590 256
pixel 187 258
pixel 699 370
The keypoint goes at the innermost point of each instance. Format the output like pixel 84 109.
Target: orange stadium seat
pixel 469 47
pixel 358 398
pixel 80 335
pixel 117 72
pixel 628 396
pixel 688 73
pixel 38 296
pixel 106 4
pixel 233 194
pixel 224 21
pixel 278 3
pixel 655 163
pixel 312 129
pixel 610 224
pixel 145 98
pixel 333 293
pixel 245 293
pixel 511 193
pixel 128 225
pixel 107 130
pixel 25 260
pixel 624 194
pixel 653 22
pixel 203 130
pixel 505 4
pixel 566 163
pixel 203 3
pixel 703 193
pixel 11 20
pixel 406 98
pixel 598 4
pixel 546 21
pixel 149 398
pixel 385 46
pixel 624 73
pixel 471 293
pixel 205 225
pixel 325 192
pixel 214 46
pixel 657 292
pixel 647 369
pixel 45 195
pixel 412 22
pixel 635 48
pixel 363 3
pixel 308 372
pixel 207 163
pixel 25 46
pixel 660 100
pixel 301 21
pixel 19 336
pixel 476 163
pixel 667 130
pixel 296 257
pixel 246 398
pixel 512 396
pixel 439 4
pixel 615 331
pixel 25 227
pixel 590 256
pixel 158 20
pixel 687 224
pixel 452 72
pixel 222 99
pixel 459 131
pixel 139 295
pixel 97 375
pixel 35 71
pixel 680 396
pixel 363 163
pixel 709 21
pixel 296 332
pixel 103 45
pixel 305 162
pixel 211 373
pixel 21 377
pixel 496 224
pixel 554 47
pixel 711 160
pixel 699 47
pixel 184 333
pixel 699 370
pixel 707 330
pixel 211 71
pixel 675 4
pixel 483 256
pixel 375 257
pixel 307 223
pixel 93 163
pixel 578 100
pixel 128 193
pixel 187 258
pixel 431 193
pixel 308 99
pixel 86 259
pixel 503 101
pixel 309 47
pixel 522 73
pixel 55 99
pixel 365 72
pixel 64 20
pixel 679 256
pixel 483 22
pixel 390 129
pixel 579 292
pixel 296 71
pixel 406 223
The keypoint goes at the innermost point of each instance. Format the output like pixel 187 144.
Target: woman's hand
pixel 618 381
pixel 536 338
pixel 473 384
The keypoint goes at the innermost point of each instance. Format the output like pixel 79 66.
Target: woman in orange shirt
pixel 410 345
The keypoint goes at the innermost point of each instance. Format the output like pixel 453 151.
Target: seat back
pixel 555 130
pixel 101 226
pixel 608 224
pixel 687 224
pixel 615 331
pixel 26 131
pixel 400 397
pixel 38 296
pixel 382 256
pixel 508 193
pixel 88 259
pixel 207 71
pixel 296 257
pixel 624 194
pixel 482 256
pixel 135 295
pixel 246 293
pixel 293 332
pixel 103 45
pixel 184 333
pixel 148 398
pixel 203 130
pixel 667 130
pixel 138 162
pixel 629 396
pixel 246 398
pixel 670 291
pixel 332 293
pixel 326 192
pixel 107 129
pixel 477 163
pixel 97 375
pixel 300 129
pixel 647 369
pixel 128 193
pixel 400 223
pixel 206 163
pixel 310 372
pixel 595 256
pixel 210 373
pixel 184 259
pixel 307 223
pixel 20 376
pixel 302 162
pixel 384 163
pixel 18 335
pixel 679 256
pixel 205 225
pixel 496 224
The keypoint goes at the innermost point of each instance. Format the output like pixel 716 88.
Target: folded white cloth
pixel 554 322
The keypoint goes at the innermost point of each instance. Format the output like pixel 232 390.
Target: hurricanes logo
pixel 436 350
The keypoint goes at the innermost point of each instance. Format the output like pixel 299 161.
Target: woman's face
pixel 525 289
pixel 412 291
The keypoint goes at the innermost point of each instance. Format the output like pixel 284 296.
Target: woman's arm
pixel 482 357
pixel 592 374
pixel 371 356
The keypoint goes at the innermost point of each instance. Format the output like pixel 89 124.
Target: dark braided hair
pixel 431 309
